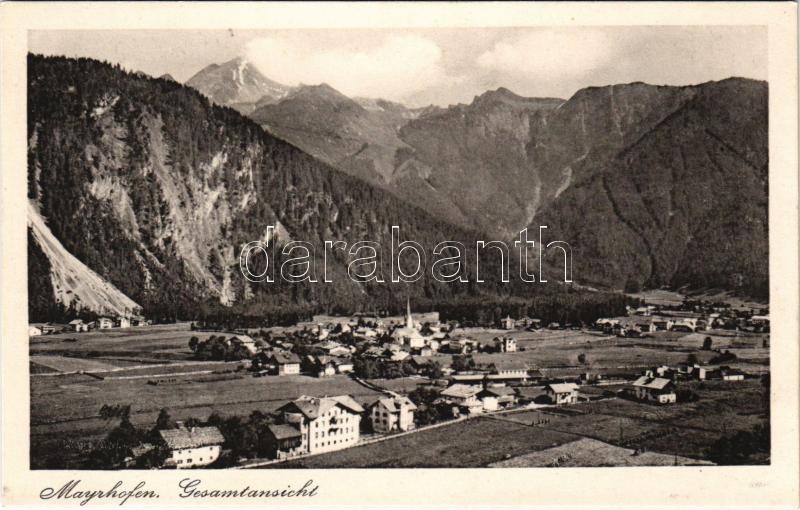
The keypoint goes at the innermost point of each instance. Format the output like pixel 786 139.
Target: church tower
pixel 409 320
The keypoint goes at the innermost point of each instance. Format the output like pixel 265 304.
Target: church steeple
pixel 409 320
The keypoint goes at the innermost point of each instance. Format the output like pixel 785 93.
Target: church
pixel 408 334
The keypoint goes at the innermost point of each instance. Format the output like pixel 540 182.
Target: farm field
pixel 684 429
pixel 150 368
pixel 152 343
pixel 461 444
pixel 593 453
pixel 64 408
pixel 401 384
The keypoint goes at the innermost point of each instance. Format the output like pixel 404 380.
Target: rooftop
pixel 194 437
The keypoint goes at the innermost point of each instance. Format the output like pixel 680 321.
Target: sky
pixel 437 66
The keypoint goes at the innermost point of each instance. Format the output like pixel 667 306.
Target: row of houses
pixel 305 425
pixel 697 372
pixel 81 326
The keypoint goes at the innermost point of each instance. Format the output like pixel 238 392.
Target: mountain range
pixel 668 168
pixel 153 186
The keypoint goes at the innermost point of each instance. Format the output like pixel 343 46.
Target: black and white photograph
pixel 342 159
pixel 287 252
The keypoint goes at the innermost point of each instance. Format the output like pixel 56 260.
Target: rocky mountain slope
pixel 73 284
pixel 466 164
pixel 156 190
pixel 238 84
pixel 677 198
pixel 505 162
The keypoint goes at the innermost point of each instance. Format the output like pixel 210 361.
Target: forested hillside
pixel 683 202
pixel 156 190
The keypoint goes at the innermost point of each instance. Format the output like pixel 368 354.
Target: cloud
pixel 394 68
pixel 550 53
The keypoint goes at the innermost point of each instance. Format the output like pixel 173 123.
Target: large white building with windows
pixel 325 423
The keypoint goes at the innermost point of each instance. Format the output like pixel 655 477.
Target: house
pixel 464 397
pixel 425 351
pixel 281 363
pixel 505 344
pixel 192 447
pixel 562 393
pixel 392 414
pixel 325 424
pixel 662 324
pixel 554 325
pixel 687 324
pixel 533 324
pixel 245 342
pixel 497 397
pixel 344 366
pixel 332 349
pixel 104 323
pixel 510 369
pixel 655 389
pixel 283 441
pixel 319 366
pixel 460 394
pixel 123 322
pixel 34 330
pixel 726 374
pixel 78 325
pixel 456 347
pixel 731 374
pixel 606 325
pixel 507 323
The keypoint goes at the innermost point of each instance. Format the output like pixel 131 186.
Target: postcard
pixel 436 254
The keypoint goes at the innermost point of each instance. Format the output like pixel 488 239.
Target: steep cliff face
pixel 72 284
pixel 679 198
pixel 156 190
pixel 474 159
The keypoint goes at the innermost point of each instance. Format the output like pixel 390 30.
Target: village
pixel 413 373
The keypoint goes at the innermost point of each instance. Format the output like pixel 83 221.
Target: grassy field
pixel 599 433
pixel 150 368
pixel 64 408
pixel 160 343
pixel 593 453
pixel 685 429
pixel 462 444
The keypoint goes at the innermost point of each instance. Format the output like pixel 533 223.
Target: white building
pixel 191 447
pixel 78 325
pixel 409 335
pixel 505 344
pixel 655 389
pixel 34 330
pixel 104 323
pixel 463 396
pixel 392 414
pixel 562 393
pixel 325 424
